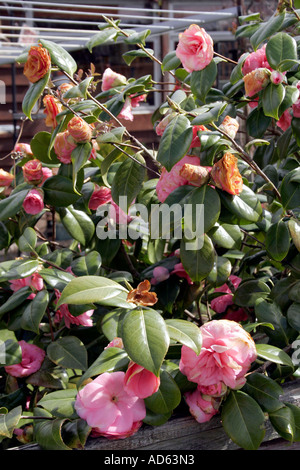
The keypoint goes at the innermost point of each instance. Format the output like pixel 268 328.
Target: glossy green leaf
pixel 243 420
pixel 59 191
pixel 48 433
pixel 79 157
pixel 41 145
pixel 60 403
pixel 86 265
pixel 9 421
pixel 10 351
pixel 264 390
pixel 294 228
pixel 280 47
pixel 175 141
pixel 68 352
pixel 28 239
pixel 60 57
pixel 273 354
pixel 76 433
pixel 220 272
pixel 293 316
pixel 209 113
pixel 149 345
pixel 168 396
pixel 35 311
pixel 128 180
pixel 133 54
pixel 16 299
pixel 56 278
pixel 17 269
pixel 249 291
pixel 226 235
pixel 245 206
pixel 110 360
pixel 170 62
pixel 257 122
pixel 198 262
pixel 12 204
pixel 104 36
pixel 270 312
pixel 296 414
pixel 204 200
pixel 33 93
pixel 277 241
pixel 272 97
pixel 203 80
pixel 267 29
pixel 77 223
pixel 186 333
pixel 94 289
pixel 138 38
pixel 283 422
pixel 290 189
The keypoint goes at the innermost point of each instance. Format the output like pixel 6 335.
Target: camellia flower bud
pixel 276 77
pixel 5 178
pixel 256 80
pixel 33 172
pixel 140 382
pixel 226 176
pixel 53 107
pixel 34 202
pixel 112 79
pixel 195 48
pixel 64 145
pixel 38 63
pixel 79 129
pixel 195 175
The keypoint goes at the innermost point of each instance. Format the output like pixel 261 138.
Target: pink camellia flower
pixel 195 48
pixel 256 60
pixel 136 100
pixel 6 178
pixel 226 355
pixel 215 390
pixel 181 272
pixel 171 180
pixel 79 129
pixel 111 79
pixel 34 202
pixel 130 102
pixel 296 105
pixel 52 108
pixel 256 80
pixel 202 408
pixel 106 406
pixel 47 173
pixel 230 126
pixel 195 175
pixel 225 174
pixel 224 304
pixel 160 273
pixel 64 145
pixel 285 120
pixel 32 358
pixel 101 195
pixel 115 343
pixel 33 172
pixel 23 148
pixel 140 382
pixel 63 313
pixel 196 141
pixel 161 125
pixel 35 282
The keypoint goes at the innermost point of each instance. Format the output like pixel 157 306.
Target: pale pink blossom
pixel 256 60
pixel 215 390
pixel 160 273
pixel 47 173
pixel 130 102
pixel 140 382
pixel 34 202
pixel 32 358
pixel 115 343
pixel 171 180
pixel 63 313
pixel 35 282
pixel 202 408
pixel 285 120
pixel 255 81
pixel 101 195
pixel 296 105
pixel 108 409
pixel 226 355
pixel 23 148
pixel 224 304
pixel 111 79
pixel 195 48
pixel 161 125
pixel 64 144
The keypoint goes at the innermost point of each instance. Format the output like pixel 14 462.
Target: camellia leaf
pixel 243 420
pixel 33 94
pixel 203 80
pixel 249 291
pixel 186 333
pixel 170 62
pixel 246 205
pixel 175 141
pixel 270 312
pixel 17 269
pixel 294 228
pixel 264 390
pixel 59 191
pixel 12 204
pixel 280 47
pixel 60 403
pixel 42 147
pixel 278 240
pixel 272 97
pixel 290 189
pixel 48 432
pixel 267 29
pixel 198 262
pixel 149 344
pixel 9 421
pixel 128 181
pixel 104 36
pixel 274 354
pixel 77 223
pixel 16 299
pixel 60 57
pixel 167 397
pixel 68 352
pixel 35 311
pixel 28 239
pixel 283 422
pixel 79 157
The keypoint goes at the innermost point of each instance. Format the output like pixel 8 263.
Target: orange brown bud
pixel 195 175
pixel 230 126
pixel 226 176
pixel 256 80
pixel 79 129
pixel 38 63
pixel 52 108
pixel 5 178
pixel 141 295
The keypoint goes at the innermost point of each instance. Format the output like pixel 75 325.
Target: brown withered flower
pixel 141 295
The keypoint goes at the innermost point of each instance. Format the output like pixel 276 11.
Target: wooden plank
pixel 182 432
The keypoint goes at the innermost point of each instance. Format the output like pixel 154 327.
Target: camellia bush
pixel 179 286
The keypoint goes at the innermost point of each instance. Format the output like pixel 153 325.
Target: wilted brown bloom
pixel 141 295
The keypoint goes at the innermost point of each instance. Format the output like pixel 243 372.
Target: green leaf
pixel 79 157
pixel 203 200
pixel 9 421
pixel 68 352
pixel 271 313
pixel 186 333
pixel 10 351
pixel 88 264
pixel 273 354
pixel 220 272
pixel 203 80
pixel 294 228
pixel 59 191
pixel 27 241
pixel 114 135
pixel 41 146
pixel 198 262
pixel 33 93
pixel 283 422
pixel 257 122
pixel 290 190
pixel 76 433
pixel 272 97
pixel 105 36
pixel 110 360
pixel 35 311
pixel 149 344
pixel 278 241
pixel 249 291
pixel 60 403
pixel 175 141
pixel 264 390
pixel 210 113
pixel 267 29
pixel 227 236
pixel 80 90
pixel 128 181
pixel 60 57
pixel 17 269
pixel 16 299
pixel 77 223
pixel 133 54
pixel 167 397
pixel 293 316
pixel 170 62
pixel 48 433
pixel 94 289
pixel 12 204
pixel 56 278
pixel 281 47
pixel 245 206
pixel 138 38
pixel 243 420
pixel 4 236
pixel 296 413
